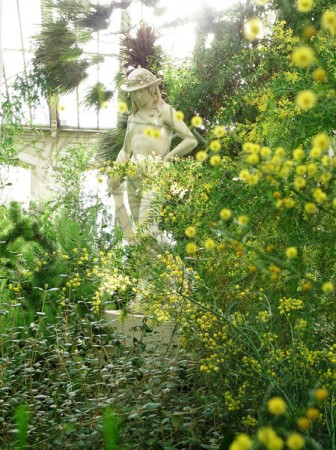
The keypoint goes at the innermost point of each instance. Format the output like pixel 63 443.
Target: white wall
pixel 17 185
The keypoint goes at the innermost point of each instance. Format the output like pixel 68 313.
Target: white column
pixel 1 53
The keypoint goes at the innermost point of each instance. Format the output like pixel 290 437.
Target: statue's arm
pixel 114 183
pixel 188 140
pixel 125 153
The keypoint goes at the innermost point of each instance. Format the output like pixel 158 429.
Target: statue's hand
pixel 114 185
pixel 122 157
pixel 167 158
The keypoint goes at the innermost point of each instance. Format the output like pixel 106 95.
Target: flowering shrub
pixel 246 272
pixel 251 279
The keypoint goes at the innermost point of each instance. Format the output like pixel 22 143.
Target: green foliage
pixel 59 66
pixel 68 177
pixel 21 244
pixel 110 430
pixel 141 50
pixel 97 95
pixel 213 79
pixel 10 129
pixel 38 269
pixel 247 276
pixel 72 382
pixel 251 278
pixel 250 88
pixel 111 142
pixel 21 419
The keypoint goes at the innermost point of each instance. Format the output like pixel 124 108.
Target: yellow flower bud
pixel 219 131
pixel 321 394
pixel 303 423
pixel 277 406
pixel 179 116
pixel 295 441
pixel 310 208
pixel 122 107
pixel 304 6
pixel 196 121
pixel 298 154
pixel 215 160
pixel 303 57
pixel 191 248
pixel 242 220
pixel 320 75
pixel 252 159
pixel 190 231
pixel 306 100
pixel 291 252
pixel 209 244
pixel 313 414
pixel 328 287
pixel 329 21
pixel 253 29
pixel 225 214
pixel 201 155
pixel 215 145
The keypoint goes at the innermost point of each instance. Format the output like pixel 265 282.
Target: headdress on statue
pixel 140 78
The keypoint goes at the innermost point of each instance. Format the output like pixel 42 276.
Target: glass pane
pixel 107 71
pixel 91 45
pixel 41 115
pixel 11 36
pixel 68 110
pixel 87 115
pixel 13 64
pixel 30 12
pixel 108 116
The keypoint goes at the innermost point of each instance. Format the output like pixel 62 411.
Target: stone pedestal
pixel 142 328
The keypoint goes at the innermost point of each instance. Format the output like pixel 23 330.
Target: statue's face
pixel 142 97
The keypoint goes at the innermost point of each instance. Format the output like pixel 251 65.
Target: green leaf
pixel 110 430
pixel 151 406
pixel 21 418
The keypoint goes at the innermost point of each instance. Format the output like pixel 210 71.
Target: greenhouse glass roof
pixel 21 21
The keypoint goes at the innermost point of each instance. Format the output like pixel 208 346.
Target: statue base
pixel 138 327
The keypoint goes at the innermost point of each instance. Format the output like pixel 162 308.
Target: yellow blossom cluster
pixel 15 287
pixel 249 421
pixel 74 281
pixel 263 316
pixel 177 283
pixel 111 281
pixel 332 354
pixel 232 402
pixel 269 164
pixel 287 305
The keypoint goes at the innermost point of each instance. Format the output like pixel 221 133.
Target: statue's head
pixel 143 79
pixel 139 79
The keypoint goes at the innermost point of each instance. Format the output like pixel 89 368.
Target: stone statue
pixel 150 115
